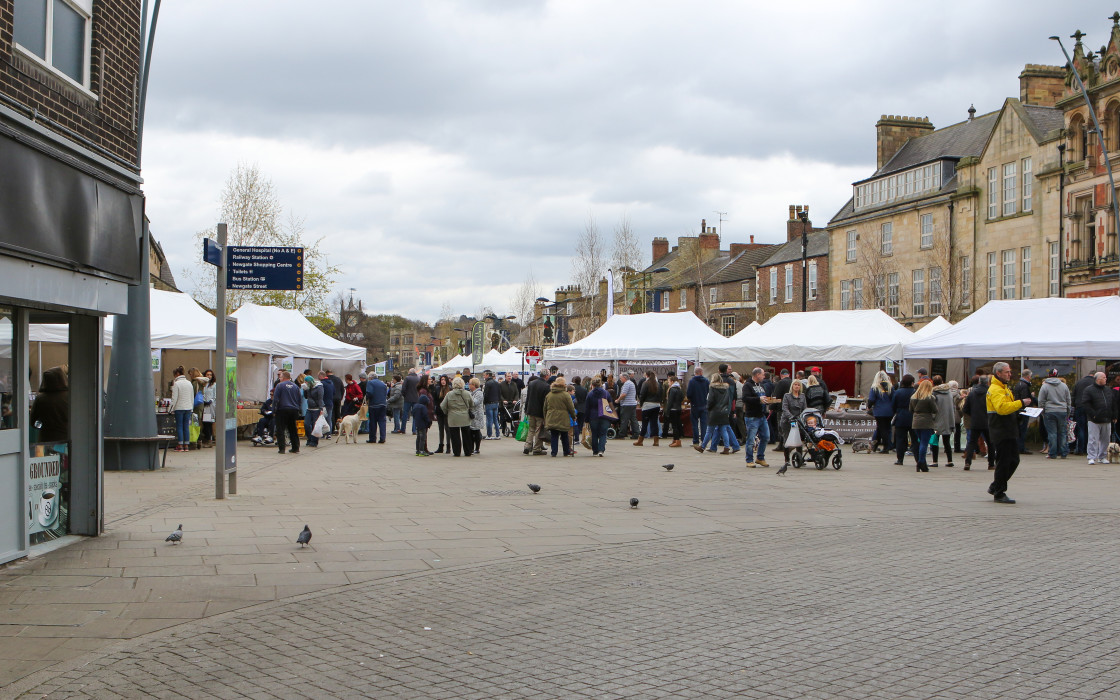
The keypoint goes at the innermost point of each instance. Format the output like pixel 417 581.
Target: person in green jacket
pixel 559 412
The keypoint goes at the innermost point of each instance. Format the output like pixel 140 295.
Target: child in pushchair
pixel 262 434
pixel 821 445
pixel 509 416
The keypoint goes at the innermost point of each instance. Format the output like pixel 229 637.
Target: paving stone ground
pixel 444 577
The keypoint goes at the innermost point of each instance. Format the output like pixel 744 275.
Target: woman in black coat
pixel 976 406
pixel 904 435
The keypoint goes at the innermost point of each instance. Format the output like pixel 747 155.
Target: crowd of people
pixel 922 416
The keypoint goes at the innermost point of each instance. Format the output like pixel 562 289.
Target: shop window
pixel 48 429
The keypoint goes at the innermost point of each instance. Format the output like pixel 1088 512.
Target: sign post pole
pixel 220 394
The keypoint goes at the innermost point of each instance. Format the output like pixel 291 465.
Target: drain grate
pixel 517 492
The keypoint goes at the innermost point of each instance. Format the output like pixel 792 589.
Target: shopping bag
pixel 933 442
pixel 522 429
pixel 794 438
pixel 1071 430
pixel 199 399
pixel 321 428
pixel 195 429
pixel 607 410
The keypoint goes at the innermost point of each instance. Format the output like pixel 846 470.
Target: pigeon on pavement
pixel 534 488
pixel 633 503
pixel 668 467
pixel 177 536
pixel 304 537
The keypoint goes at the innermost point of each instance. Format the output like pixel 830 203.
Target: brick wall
pixel 766 310
pixel 107 117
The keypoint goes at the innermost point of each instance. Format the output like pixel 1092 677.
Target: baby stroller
pixel 509 415
pixel 821 446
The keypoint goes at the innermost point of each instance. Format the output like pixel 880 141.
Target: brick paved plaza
pixel 446 578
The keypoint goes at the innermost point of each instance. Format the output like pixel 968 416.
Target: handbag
pixel 1071 430
pixel 607 410
pixel 933 441
pixel 195 429
pixel 470 410
pixel 199 399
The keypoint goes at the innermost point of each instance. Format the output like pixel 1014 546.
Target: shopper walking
pixel 793 403
pixel 458 405
pixel 598 421
pixel 923 411
pixel 559 413
pixel 674 404
pixel 879 401
pixel 182 404
pixel 649 399
pixel 478 411
pixel 1097 403
pixel 287 401
pixel 943 423
pixel 719 418
pixel 904 435
pixel 976 406
pixel 1003 423
pixel 1054 400
pixel 697 394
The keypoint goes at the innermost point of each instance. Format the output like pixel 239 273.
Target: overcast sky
pixel 441 149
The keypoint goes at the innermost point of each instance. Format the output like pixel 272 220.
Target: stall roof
pixel 822 336
pixel 650 336
pixel 283 332
pixel 1040 328
pixel 932 328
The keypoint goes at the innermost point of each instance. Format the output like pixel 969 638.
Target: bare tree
pixel 445 312
pixel 589 262
pixel 251 210
pixel 625 248
pixel 523 302
pixel 874 270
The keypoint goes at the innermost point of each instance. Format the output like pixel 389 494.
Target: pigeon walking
pixel 304 537
pixel 668 467
pixel 633 503
pixel 534 488
pixel 177 536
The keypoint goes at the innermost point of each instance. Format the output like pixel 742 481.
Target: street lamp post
pixel 1097 127
pixel 645 284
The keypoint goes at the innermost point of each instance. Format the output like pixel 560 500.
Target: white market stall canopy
pixel 177 322
pixel 650 336
pixel 499 362
pixel 285 332
pixel 455 363
pixel 817 336
pixel 932 328
pixel 1039 328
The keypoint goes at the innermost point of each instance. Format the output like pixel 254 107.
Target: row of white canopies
pixel 1032 328
pixel 499 362
pixel 264 335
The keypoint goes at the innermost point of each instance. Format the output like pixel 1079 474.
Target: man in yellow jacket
pixel 1003 426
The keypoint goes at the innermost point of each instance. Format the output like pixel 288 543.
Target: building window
pixel 684 298
pixel 857 294
pixel 993 194
pixel 886 233
pixel 993 280
pixel 56 32
pixel 713 294
pixel 926 221
pixel 569 309
pixel 1028 184
pixel 789 283
pixel 1010 189
pixel 919 293
pixel 851 255
pixel 1055 270
pixel 773 285
pixel 813 280
pixel 966 281
pixel 746 291
pixel 665 300
pixel 1009 274
pixel 845 295
pixel 728 326
pixel 1025 273
pixel 881 292
pixel 892 294
pixel 935 291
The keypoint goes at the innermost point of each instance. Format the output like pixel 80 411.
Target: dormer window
pixel 915 182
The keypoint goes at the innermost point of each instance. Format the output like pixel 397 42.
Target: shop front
pixel 70 243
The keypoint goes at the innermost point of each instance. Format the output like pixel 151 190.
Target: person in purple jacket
pixel 599 423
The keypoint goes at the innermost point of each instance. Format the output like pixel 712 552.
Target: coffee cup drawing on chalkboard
pixel 48 508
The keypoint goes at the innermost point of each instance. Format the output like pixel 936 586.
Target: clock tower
pixel 350 321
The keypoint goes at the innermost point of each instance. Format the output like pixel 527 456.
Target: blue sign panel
pixel 264 268
pixel 211 252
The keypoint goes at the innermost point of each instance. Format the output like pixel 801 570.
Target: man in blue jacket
pixel 377 400
pixel 697 394
pixel 328 401
pixel 286 401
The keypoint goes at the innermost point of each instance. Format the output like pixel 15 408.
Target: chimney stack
pixel 794 225
pixel 1041 86
pixel 892 132
pixel 660 248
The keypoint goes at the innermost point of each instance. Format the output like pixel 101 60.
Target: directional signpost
pixel 264 268
pixel 252 268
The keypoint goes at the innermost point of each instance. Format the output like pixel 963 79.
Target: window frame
pixel 789 283
pixel 857 293
pixel 1025 272
pixel 812 279
pixel 84 8
pixel 1007 270
pixel 966 281
pixel 993 276
pixel 684 298
pixel 993 193
pixel 713 295
pixel 774 285
pixel 1010 188
pixel 893 294
pixel 1055 269
pixel 850 254
pixel 925 227
pixel 934 277
pixel 918 282
pixel 745 290
pixel 665 301
pixel 727 325
pixel 886 238
pixel 845 295
pixel 1028 184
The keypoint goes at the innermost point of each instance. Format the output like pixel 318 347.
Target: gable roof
pixel 966 138
pixel 790 251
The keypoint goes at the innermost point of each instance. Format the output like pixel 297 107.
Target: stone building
pixel 71 246
pixel 780 275
pixel 1089 245
pixel 956 216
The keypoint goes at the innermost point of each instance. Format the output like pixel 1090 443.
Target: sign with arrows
pixel 264 268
